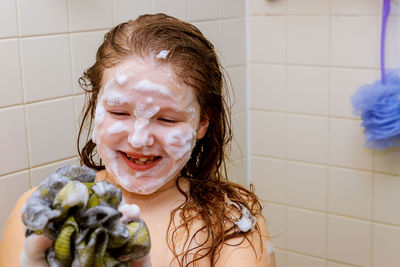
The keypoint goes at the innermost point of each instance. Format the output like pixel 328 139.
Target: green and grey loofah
pixel 82 218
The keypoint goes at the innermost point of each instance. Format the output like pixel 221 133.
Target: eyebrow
pixel 182 112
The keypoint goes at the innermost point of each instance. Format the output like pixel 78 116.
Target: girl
pixel 160 127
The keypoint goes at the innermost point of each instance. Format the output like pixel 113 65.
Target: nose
pixel 141 135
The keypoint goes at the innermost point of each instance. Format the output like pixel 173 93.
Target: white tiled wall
pixel 330 201
pixel 45 46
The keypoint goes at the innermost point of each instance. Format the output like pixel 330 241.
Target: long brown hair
pixel 195 64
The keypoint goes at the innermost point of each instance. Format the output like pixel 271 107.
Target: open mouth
pixel 140 162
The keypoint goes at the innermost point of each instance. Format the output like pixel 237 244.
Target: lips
pixel 140 162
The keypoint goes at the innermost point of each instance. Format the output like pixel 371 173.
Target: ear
pixel 203 126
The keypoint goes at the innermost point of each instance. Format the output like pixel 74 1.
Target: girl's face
pixel 146 125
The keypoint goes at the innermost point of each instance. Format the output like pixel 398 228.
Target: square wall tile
pixel 395 7
pixel 90 14
pixel 387 160
pixel 239 142
pixel 202 10
pixel 354 41
pixel 392 43
pixel 350 193
pixel 268 87
pixel 237 78
pixel 46 67
pixel 349 241
pixel 268 134
pixel 386 246
pixel 10 84
pixel 267 39
pixel 262 7
pixel 308 7
pixel 51 131
pixel 307 138
pixel 231 8
pixel 79 104
pixel 8 18
pixel 306 185
pixel 14 154
pixel 42 16
pixel 308 40
pixel 125 10
pixel 83 51
pixel 296 260
pixel 386 199
pixel 308 89
pixel 237 172
pixel 275 216
pixel 175 8
pixel 233 42
pixel 306 232
pixel 346 143
pixel 355 7
pixel 38 174
pixel 343 84
pixel 269 178
pixel 210 30
pixel 280 258
pixel 11 188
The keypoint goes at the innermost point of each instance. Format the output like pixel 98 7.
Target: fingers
pixel 142 262
pixel 34 251
pixel 129 212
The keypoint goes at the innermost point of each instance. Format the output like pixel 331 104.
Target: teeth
pixel 141 161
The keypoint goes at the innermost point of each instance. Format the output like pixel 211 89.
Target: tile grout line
pixel 329 165
pixel 38 166
pixel 329 131
pixel 28 152
pixel 71 62
pixel 329 213
pixel 248 94
pixel 286 133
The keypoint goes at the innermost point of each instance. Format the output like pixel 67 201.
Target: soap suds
pixel 117 127
pixel 129 212
pixel 247 220
pixel 141 136
pixel 114 98
pixel 180 142
pixel 148 86
pixel 163 54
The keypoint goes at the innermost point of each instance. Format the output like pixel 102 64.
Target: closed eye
pixel 167 120
pixel 118 113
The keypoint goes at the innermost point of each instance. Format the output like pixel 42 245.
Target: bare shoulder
pixel 13 237
pixel 254 250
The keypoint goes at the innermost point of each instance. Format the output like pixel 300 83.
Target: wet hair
pixel 195 64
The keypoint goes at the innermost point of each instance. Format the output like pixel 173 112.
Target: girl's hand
pixel 142 262
pixel 34 252
pixel 131 212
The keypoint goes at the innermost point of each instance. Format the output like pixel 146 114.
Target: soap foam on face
pixel 148 86
pixel 117 127
pixel 176 142
pixel 180 142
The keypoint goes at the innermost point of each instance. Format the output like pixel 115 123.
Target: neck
pixel 166 194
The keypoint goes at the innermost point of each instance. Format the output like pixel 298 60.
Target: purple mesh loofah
pixel 378 105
